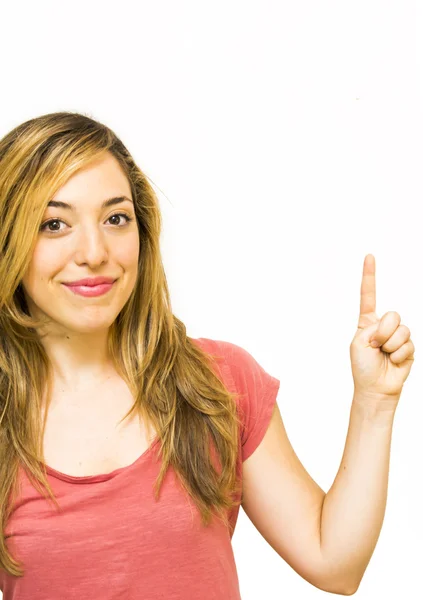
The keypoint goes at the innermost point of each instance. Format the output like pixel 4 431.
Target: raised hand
pixel 379 372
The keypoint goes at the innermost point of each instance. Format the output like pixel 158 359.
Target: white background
pixel 284 140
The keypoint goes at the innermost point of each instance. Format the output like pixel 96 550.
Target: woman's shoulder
pixel 222 349
pixel 232 354
pixel 255 387
pixel 246 374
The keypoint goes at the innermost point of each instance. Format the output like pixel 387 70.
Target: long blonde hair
pixel 172 379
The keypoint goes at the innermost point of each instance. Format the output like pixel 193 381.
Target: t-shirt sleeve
pixel 258 391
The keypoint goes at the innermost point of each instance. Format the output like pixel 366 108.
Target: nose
pixel 92 246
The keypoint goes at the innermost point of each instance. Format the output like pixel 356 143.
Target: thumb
pixel 364 335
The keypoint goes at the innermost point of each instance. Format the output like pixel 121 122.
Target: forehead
pixel 100 180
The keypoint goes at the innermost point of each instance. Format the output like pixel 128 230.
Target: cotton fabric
pixel 111 540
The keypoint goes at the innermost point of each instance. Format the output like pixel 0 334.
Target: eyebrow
pixel 106 203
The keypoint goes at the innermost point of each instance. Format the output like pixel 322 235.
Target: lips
pixel 90 291
pixel 90 281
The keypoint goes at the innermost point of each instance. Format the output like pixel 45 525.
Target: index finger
pixel 368 286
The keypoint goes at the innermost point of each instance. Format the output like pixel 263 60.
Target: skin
pixel 84 243
pixel 379 372
pixel 329 538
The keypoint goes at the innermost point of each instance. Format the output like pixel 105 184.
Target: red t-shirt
pixel 112 540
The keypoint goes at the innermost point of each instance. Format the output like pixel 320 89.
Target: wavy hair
pixel 175 388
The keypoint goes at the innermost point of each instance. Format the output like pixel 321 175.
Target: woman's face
pixel 85 242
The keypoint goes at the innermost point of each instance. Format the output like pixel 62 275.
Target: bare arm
pixel 354 508
pixel 328 539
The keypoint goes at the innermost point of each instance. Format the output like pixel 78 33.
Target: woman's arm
pixel 328 539
pixel 354 507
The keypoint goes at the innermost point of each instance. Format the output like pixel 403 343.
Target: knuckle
pixel 406 330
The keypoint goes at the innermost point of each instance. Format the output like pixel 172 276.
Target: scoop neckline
pixel 101 476
pixel 105 476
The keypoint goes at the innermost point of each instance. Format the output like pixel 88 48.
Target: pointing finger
pixel 368 286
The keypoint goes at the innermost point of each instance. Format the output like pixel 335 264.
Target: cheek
pixel 126 252
pixel 44 265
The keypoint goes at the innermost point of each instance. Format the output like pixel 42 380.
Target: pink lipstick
pixel 90 291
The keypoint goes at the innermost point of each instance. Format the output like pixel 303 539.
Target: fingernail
pixel 374 343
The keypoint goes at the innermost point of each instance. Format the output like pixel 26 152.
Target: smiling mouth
pixel 90 290
pixel 76 284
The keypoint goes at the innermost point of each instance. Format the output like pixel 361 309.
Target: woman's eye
pixel 45 225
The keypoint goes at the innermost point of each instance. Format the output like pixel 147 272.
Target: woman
pixel 126 446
